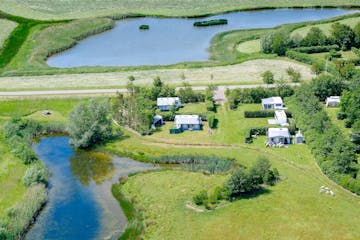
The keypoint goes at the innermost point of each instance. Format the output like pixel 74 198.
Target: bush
pixel 211 119
pixel 295 76
pixel 144 27
pixel 35 174
pixel 316 49
pixel 301 57
pixel 263 114
pixel 268 77
pixel 341 116
pixel 201 198
pixel 210 106
pixel 188 95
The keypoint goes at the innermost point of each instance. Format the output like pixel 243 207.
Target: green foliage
pixel 327 85
pixel 188 95
pixel 295 76
pixel 315 37
pixel 19 134
pixel 210 23
pixel 201 198
pixel 211 164
pixel 333 152
pixel 35 174
pixel 350 104
pixel 301 57
pixel 357 35
pixel 343 35
pixel 275 42
pixel 316 49
pixel 89 124
pixel 21 214
pixel 347 70
pixel 144 27
pixel 268 77
pixel 210 106
pixel 317 67
pixel 254 95
pixel 134 217
pixel 263 114
pixel 211 119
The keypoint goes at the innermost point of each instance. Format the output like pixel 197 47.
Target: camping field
pixel 5 29
pixel 54 9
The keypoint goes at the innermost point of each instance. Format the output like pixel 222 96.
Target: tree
pixel 346 70
pixel 327 85
pixel 131 78
pixel 317 67
pixel 89 124
pixel 239 183
pixel 268 77
pixel 357 35
pixel 315 37
pixel 258 171
pixel 280 43
pixel 266 43
pixel 343 35
pixel 295 76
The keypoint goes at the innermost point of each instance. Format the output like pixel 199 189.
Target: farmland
pixel 54 9
pixel 248 72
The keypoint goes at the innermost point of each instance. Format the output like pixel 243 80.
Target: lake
pixel 80 203
pixel 173 40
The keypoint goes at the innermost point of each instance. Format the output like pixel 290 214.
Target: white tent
pixel 278 135
pixel 165 104
pixel 332 101
pixel 187 122
pixel 272 103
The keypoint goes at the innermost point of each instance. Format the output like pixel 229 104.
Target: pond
pixel 80 203
pixel 173 40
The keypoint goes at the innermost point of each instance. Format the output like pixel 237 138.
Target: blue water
pixel 173 40
pixel 80 204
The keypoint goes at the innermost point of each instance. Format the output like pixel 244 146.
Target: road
pixel 219 94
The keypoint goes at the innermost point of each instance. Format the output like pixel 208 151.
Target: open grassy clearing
pixel 294 204
pixel 54 9
pixel 326 27
pixel 6 28
pixel 332 112
pixel 252 46
pixel 244 73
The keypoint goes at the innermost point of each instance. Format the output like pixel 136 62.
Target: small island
pixel 144 27
pixel 211 23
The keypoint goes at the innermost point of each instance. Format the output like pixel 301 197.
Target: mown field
pixel 6 28
pixel 248 72
pixel 55 9
pixel 326 27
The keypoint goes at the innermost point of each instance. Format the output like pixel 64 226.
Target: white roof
pixel 333 99
pixel 187 119
pixel 298 134
pixel 278 132
pixel 168 101
pixel 272 100
pixel 157 117
pixel 280 114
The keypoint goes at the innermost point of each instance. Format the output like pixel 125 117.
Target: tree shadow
pixel 253 194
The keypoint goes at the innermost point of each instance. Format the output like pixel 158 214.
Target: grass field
pixel 6 28
pixel 54 9
pixel 293 208
pixel 11 172
pixel 326 27
pixel 252 46
pixel 248 72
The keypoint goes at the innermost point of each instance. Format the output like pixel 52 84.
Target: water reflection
pixel 91 166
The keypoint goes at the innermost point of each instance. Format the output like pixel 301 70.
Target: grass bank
pixel 6 27
pixel 53 9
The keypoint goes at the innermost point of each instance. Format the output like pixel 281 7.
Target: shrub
pixel 295 76
pixel 263 114
pixel 201 198
pixel 301 57
pixel 317 49
pixel 210 106
pixel 211 119
pixel 341 115
pixel 35 174
pixel 268 77
pixel 144 27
